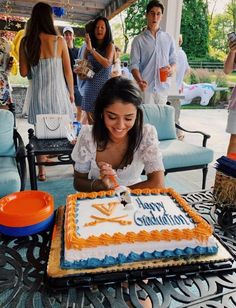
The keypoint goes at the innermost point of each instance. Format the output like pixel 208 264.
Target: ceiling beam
pixel 115 7
pixel 75 11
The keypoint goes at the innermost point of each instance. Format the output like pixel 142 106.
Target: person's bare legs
pixel 232 144
pixel 84 119
pixel 79 113
pixel 90 117
pixel 42 170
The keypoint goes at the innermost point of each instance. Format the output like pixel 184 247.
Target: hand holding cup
pixel 165 72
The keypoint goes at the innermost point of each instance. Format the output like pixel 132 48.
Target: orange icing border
pixel 201 232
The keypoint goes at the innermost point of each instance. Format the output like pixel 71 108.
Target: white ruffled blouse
pixel 147 157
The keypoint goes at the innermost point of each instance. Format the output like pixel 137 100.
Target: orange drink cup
pixel 163 73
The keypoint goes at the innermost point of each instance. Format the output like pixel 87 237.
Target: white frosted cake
pixel 100 232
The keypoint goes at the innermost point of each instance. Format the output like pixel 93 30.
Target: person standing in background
pixel 100 53
pixel 80 82
pixel 152 50
pixel 5 88
pixel 229 66
pixel 44 54
pixel 182 68
pixel 68 34
pixel 116 67
pixel 125 71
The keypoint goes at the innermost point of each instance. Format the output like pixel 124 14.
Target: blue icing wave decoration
pixel 133 257
pixel 121 258
pixel 164 218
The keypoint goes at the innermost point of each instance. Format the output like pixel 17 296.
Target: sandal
pixel 42 177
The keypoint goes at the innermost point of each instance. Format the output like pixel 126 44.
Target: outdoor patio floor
pixel 211 121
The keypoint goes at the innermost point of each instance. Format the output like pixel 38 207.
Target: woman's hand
pixel 88 42
pixel 72 98
pixel 142 84
pixel 107 175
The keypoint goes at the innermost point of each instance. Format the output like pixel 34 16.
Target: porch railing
pixel 208 65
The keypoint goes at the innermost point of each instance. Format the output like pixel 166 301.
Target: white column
pixel 172 17
pixel 171 23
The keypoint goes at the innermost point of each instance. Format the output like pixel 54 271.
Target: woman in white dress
pixel 44 56
pixel 118 143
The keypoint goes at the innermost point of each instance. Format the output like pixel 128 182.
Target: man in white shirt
pixel 182 65
pixel 181 69
pixel 151 50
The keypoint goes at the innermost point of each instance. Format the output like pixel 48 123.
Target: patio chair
pixel 12 156
pixel 177 155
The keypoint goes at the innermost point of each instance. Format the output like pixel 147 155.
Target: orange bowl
pixel 25 208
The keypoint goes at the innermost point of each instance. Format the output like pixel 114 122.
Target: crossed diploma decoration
pixel 123 194
pixel 108 210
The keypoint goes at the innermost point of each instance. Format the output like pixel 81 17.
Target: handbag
pixel 51 126
pixel 83 69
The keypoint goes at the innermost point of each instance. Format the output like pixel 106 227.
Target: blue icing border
pixel 134 257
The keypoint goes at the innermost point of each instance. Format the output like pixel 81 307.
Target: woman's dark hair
pixel 155 3
pixel 40 21
pixel 118 88
pixel 108 36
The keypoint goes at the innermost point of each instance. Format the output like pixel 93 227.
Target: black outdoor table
pixel 23 263
pixel 60 147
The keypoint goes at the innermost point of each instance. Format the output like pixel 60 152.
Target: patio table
pixel 23 263
pixel 60 147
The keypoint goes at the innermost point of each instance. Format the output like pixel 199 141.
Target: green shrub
pixel 125 57
pixel 221 79
pixel 204 75
pixel 193 77
pixel 78 42
pixel 199 75
pixel 215 99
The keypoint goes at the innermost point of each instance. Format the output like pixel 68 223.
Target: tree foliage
pixel 135 19
pixel 231 12
pixel 221 24
pixel 194 28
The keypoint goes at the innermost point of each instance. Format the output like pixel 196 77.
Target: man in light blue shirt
pixel 151 50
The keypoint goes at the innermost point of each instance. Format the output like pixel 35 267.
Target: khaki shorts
pixel 231 123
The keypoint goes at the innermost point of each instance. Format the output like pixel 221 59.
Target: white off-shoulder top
pixel 147 157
